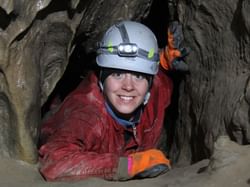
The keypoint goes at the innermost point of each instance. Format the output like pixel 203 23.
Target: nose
pixel 127 83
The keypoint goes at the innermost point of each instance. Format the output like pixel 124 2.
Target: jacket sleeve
pixel 71 152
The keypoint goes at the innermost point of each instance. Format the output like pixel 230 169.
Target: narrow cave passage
pixel 81 63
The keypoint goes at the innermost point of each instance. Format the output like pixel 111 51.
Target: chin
pixel 126 112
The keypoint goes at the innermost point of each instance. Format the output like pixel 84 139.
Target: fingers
pixel 184 51
pixel 180 65
pixel 153 171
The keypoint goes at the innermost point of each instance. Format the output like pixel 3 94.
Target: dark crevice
pixel 79 65
pixel 157 21
pixel 54 6
pixel 5 19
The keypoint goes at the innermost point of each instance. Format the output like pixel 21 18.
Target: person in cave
pixel 110 125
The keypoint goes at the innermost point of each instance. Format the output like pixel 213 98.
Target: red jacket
pixel 83 140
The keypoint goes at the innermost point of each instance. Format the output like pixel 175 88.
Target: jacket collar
pixel 123 122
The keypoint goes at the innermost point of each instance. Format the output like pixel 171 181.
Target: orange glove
pixel 141 161
pixel 172 56
pixel 144 164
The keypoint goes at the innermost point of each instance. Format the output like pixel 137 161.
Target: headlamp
pixel 127 49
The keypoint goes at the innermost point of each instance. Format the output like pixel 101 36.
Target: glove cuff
pixel 122 170
pixel 164 61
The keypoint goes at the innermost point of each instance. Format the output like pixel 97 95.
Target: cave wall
pixel 214 96
pixel 35 46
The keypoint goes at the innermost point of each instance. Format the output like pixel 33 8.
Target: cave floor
pixel 16 173
pixel 230 173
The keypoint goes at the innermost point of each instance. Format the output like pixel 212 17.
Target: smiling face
pixel 125 92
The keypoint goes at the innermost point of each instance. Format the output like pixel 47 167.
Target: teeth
pixel 127 98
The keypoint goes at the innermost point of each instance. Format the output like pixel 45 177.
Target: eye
pixel 138 76
pixel 117 75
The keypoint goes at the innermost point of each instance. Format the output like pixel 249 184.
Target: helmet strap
pixel 100 85
pixel 146 98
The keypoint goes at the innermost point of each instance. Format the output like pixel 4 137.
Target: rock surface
pixel 214 96
pixel 229 167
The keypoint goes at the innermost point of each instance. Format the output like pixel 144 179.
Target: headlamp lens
pixel 129 50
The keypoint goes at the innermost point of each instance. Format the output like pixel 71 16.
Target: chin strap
pixel 146 98
pixel 100 85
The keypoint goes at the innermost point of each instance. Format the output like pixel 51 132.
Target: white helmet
pixel 129 45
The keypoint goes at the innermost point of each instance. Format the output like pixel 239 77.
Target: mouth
pixel 126 98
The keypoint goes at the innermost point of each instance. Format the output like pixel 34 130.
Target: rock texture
pixel 35 47
pixel 40 39
pixel 214 96
pixel 229 167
